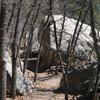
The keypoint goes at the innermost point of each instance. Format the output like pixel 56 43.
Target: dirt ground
pixel 46 84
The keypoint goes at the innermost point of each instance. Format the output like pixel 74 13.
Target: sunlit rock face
pixel 23 85
pixel 84 43
pixel 84 38
pixel 84 46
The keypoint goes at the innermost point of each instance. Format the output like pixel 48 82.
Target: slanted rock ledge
pixel 24 85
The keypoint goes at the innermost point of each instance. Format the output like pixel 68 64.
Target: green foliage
pixel 74 7
pixel 97 13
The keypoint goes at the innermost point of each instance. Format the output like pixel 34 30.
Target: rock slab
pixel 80 80
pixel 23 85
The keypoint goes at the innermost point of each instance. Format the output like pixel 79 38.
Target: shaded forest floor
pixel 46 84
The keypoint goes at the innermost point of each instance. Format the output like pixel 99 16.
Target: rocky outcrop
pixel 80 80
pixel 84 43
pixel 24 85
pixel 84 46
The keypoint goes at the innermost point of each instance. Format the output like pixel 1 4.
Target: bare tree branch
pixel 31 36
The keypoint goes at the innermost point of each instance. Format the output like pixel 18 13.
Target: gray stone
pixel 24 85
pixel 80 80
pixel 84 43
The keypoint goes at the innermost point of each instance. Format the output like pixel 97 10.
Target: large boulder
pixel 23 85
pixel 83 49
pixel 84 43
pixel 80 80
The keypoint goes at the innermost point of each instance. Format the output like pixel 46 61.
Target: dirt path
pixel 45 84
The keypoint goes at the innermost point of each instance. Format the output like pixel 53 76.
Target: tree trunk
pixel 45 45
pixel 14 53
pixel 2 51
